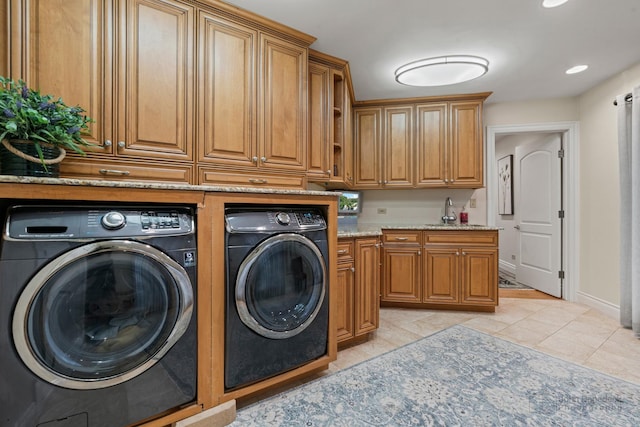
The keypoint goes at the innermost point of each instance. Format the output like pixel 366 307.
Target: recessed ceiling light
pixel 553 3
pixel 442 70
pixel 577 69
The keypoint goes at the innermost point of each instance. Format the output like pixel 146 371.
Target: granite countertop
pixel 156 185
pixel 364 230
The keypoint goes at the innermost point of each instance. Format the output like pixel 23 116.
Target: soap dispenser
pixel 464 216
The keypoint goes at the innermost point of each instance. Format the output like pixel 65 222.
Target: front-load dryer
pixel 277 298
pixel 97 314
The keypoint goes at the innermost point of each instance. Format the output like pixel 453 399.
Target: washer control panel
pixel 69 222
pixel 274 220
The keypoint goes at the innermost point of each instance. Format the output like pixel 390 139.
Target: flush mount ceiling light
pixel 553 3
pixel 442 70
pixel 577 69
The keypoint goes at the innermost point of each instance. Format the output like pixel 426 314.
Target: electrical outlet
pixel 472 203
pixel 382 211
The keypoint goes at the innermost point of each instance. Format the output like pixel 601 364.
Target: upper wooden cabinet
pixel 397 147
pixel 329 148
pixel 227 94
pixel 134 65
pixel 282 133
pixel 129 64
pixel 320 154
pixel 252 101
pixel 420 142
pixel 367 147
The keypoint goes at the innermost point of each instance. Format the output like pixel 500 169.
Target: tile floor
pixel 566 330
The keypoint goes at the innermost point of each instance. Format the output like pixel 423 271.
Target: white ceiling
pixel 528 47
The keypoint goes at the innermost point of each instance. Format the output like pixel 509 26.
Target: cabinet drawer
pixel 125 171
pixel 345 250
pixel 483 238
pixel 407 237
pixel 243 179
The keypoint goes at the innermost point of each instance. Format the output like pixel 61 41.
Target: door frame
pixel 570 190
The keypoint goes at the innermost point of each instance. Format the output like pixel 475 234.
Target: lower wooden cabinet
pixel 402 266
pixel 447 269
pixel 358 308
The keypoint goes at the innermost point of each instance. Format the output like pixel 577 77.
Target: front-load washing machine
pixel 277 291
pixel 97 314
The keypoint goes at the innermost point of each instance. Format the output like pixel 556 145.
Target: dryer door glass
pixel 101 314
pixel 281 286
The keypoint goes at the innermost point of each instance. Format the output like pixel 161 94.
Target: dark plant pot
pixel 11 164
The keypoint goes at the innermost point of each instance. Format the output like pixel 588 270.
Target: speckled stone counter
pixel 155 185
pixel 376 230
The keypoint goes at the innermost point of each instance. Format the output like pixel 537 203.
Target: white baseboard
pixel 605 307
pixel 507 267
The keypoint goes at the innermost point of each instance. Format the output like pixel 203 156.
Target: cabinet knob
pixel 254 159
pixel 457 253
pixel 107 143
pixel 419 252
pixel 328 171
pixel 446 180
pixel 353 270
pixel 453 180
pixel 263 159
pixel 121 144
pixel 464 254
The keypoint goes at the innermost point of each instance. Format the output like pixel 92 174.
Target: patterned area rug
pixel 456 377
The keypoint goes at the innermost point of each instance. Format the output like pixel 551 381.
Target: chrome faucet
pixel 449 215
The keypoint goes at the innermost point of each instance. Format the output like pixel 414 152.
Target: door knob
pixel 517 227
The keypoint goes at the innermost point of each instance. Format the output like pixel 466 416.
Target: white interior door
pixel 538 203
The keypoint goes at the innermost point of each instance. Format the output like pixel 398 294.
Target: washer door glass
pixel 101 314
pixel 281 286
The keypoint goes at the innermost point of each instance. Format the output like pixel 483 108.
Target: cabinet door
pixel 5 39
pixel 226 93
pixel 431 145
pixel 345 308
pixel 479 280
pixel 155 79
pixel 367 286
pixel 283 130
pixel 398 147
pixel 368 130
pixel 67 50
pixel 466 154
pixel 441 275
pixel 347 146
pixel 401 276
pixel 320 122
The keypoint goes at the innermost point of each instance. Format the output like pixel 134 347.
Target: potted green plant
pixel 36 130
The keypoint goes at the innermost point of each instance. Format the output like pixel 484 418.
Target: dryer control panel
pixel 95 222
pixel 274 220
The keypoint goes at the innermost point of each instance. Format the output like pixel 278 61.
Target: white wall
pixel 600 189
pixel 414 206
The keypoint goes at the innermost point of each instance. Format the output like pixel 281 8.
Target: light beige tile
pixel 555 315
pixel 567 345
pixel 485 324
